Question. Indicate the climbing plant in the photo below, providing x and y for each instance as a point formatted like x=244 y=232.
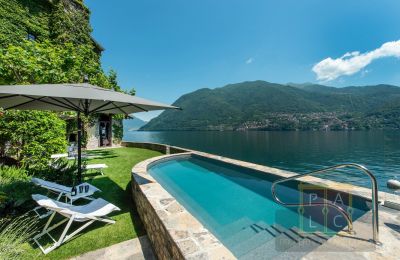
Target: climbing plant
x=18 y=18
x=32 y=136
x=43 y=41
x=45 y=62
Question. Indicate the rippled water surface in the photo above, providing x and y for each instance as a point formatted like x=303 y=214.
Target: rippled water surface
x=296 y=151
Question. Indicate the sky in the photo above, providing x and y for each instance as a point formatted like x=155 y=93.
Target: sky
x=165 y=49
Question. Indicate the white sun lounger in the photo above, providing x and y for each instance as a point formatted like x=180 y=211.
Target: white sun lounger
x=96 y=167
x=96 y=210
x=65 y=191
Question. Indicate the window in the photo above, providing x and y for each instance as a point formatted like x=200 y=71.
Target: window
x=31 y=37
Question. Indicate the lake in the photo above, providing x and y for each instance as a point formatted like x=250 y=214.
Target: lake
x=299 y=152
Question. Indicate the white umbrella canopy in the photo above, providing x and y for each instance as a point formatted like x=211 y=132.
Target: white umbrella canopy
x=81 y=98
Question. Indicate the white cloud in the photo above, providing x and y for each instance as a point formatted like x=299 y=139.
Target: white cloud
x=249 y=60
x=352 y=62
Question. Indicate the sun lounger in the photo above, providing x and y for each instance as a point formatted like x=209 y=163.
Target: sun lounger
x=96 y=210
x=96 y=167
x=66 y=191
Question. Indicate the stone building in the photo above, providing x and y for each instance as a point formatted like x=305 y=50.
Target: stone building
x=58 y=21
x=101 y=134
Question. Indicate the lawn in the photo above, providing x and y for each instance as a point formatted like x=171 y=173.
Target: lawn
x=115 y=186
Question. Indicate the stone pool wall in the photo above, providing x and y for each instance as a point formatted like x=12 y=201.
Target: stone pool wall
x=163 y=245
x=162 y=148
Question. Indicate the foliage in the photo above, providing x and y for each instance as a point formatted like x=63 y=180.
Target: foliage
x=15 y=190
x=69 y=23
x=61 y=21
x=20 y=17
x=132 y=92
x=261 y=105
x=32 y=136
x=34 y=62
x=13 y=234
x=112 y=78
x=61 y=171
x=62 y=51
x=10 y=174
x=118 y=132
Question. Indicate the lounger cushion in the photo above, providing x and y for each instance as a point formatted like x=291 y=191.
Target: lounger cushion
x=61 y=188
x=96 y=208
x=51 y=185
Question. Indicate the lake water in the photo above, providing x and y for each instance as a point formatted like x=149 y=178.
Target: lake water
x=299 y=152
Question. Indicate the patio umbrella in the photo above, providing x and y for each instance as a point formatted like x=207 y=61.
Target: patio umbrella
x=82 y=98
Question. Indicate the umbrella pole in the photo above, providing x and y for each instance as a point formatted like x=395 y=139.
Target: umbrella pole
x=79 y=148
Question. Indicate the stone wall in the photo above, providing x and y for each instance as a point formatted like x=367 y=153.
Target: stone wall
x=162 y=148
x=163 y=244
x=93 y=137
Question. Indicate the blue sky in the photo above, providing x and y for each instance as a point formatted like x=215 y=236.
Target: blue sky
x=168 y=48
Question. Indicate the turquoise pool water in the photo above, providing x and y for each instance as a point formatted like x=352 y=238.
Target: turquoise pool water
x=235 y=203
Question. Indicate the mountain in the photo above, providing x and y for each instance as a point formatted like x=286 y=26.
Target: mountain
x=133 y=124
x=260 y=105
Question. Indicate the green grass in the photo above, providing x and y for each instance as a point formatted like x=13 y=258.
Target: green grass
x=115 y=186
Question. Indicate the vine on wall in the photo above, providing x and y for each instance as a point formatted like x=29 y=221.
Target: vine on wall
x=20 y=17
x=61 y=51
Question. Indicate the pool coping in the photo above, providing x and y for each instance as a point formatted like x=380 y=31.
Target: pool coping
x=194 y=241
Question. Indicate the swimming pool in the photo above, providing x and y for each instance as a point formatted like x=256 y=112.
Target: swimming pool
x=235 y=204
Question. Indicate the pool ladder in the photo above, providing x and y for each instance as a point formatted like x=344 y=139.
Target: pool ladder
x=375 y=222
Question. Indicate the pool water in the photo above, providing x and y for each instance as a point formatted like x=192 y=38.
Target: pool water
x=236 y=205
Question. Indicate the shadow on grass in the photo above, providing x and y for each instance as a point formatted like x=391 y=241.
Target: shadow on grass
x=104 y=152
x=100 y=154
x=112 y=193
x=90 y=176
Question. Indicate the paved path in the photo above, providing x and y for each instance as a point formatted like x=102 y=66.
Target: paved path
x=136 y=249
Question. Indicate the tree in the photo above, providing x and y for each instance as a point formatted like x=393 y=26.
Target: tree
x=34 y=135
x=33 y=62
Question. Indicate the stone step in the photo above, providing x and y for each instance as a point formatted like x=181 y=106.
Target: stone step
x=264 y=226
x=305 y=245
x=317 y=237
x=287 y=232
x=263 y=241
x=240 y=236
x=253 y=242
x=234 y=227
x=288 y=244
x=271 y=249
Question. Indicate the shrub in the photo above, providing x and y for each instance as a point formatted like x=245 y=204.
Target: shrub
x=9 y=174
x=62 y=172
x=15 y=191
x=16 y=188
x=32 y=136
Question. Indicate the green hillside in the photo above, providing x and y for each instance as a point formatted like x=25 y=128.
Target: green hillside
x=260 y=105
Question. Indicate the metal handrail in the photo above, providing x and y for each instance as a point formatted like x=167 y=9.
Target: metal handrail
x=375 y=220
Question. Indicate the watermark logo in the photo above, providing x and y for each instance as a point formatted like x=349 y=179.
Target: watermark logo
x=317 y=211
x=315 y=220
